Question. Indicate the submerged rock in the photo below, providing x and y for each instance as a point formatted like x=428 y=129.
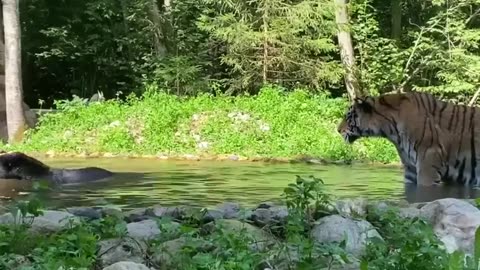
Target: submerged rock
x=454 y=222
x=336 y=228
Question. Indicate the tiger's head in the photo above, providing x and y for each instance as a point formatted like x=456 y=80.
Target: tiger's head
x=360 y=120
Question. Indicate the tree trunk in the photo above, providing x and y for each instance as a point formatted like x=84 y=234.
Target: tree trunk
x=396 y=13
x=16 y=124
x=159 y=33
x=265 y=44
x=3 y=113
x=346 y=49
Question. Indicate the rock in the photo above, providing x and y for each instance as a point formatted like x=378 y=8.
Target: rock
x=16 y=262
x=265 y=205
x=50 y=221
x=126 y=265
x=169 y=211
x=86 y=212
x=260 y=239
x=352 y=207
x=145 y=229
x=262 y=216
x=136 y=215
x=118 y=250
x=335 y=228
x=272 y=215
x=230 y=210
x=109 y=211
x=454 y=222
x=166 y=253
x=211 y=215
x=409 y=212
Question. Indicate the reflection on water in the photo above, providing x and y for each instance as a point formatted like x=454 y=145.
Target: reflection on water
x=427 y=194
x=206 y=183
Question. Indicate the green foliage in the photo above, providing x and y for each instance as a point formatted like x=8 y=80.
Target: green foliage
x=73 y=247
x=437 y=51
x=238 y=46
x=274 y=123
x=275 y=41
x=299 y=197
x=410 y=243
x=226 y=249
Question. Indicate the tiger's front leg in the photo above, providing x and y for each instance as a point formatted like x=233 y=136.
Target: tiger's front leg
x=409 y=174
x=430 y=167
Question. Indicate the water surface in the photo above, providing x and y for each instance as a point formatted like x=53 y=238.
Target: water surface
x=144 y=182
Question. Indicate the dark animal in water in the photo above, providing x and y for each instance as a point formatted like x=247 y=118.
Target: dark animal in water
x=19 y=166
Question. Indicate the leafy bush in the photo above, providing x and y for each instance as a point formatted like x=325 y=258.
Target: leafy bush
x=409 y=243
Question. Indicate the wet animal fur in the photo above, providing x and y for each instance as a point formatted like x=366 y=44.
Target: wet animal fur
x=17 y=165
x=437 y=141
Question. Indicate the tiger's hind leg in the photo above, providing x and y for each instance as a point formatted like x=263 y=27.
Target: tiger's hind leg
x=430 y=167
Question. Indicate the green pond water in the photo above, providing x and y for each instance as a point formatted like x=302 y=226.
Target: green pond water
x=142 y=182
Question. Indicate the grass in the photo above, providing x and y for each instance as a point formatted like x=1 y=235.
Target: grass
x=272 y=124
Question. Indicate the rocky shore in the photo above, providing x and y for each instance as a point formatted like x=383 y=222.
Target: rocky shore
x=160 y=237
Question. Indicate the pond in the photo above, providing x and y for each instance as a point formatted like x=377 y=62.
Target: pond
x=144 y=182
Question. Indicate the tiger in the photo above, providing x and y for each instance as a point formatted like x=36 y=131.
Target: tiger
x=438 y=145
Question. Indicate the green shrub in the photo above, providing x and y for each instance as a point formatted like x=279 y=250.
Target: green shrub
x=273 y=123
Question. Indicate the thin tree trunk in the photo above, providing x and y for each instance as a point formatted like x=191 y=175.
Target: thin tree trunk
x=396 y=13
x=474 y=98
x=265 y=44
x=159 y=33
x=123 y=3
x=16 y=123
x=3 y=113
x=346 y=49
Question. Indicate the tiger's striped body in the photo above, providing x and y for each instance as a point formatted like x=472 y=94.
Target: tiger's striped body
x=436 y=140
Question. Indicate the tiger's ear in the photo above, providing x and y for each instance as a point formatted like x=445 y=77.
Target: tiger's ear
x=364 y=104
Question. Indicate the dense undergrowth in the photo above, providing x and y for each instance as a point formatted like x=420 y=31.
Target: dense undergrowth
x=409 y=243
x=273 y=124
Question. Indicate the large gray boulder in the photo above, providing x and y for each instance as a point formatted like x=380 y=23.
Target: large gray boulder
x=454 y=222
x=144 y=230
x=49 y=221
x=336 y=228
x=118 y=250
